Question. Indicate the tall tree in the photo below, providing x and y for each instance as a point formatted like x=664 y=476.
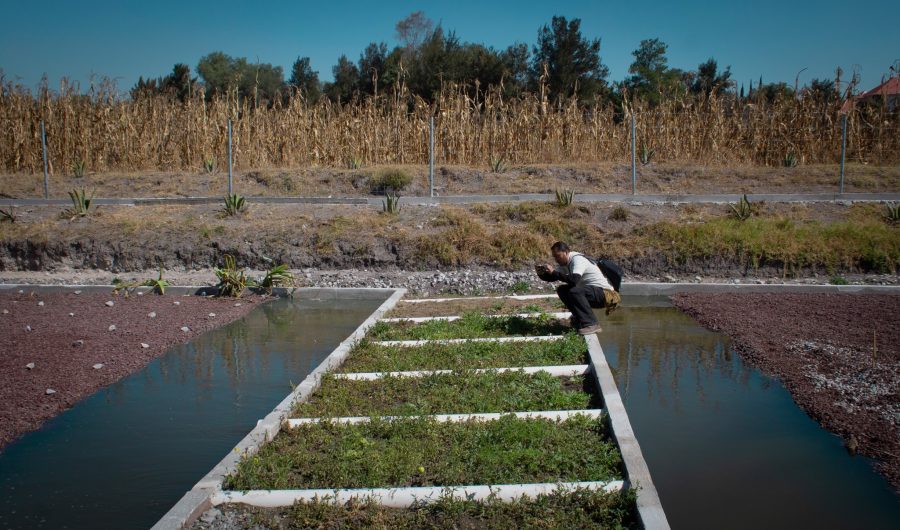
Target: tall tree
x=346 y=81
x=652 y=79
x=372 y=67
x=221 y=73
x=708 y=80
x=515 y=68
x=571 y=62
x=305 y=79
x=413 y=30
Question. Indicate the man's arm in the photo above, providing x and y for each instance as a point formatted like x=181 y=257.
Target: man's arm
x=558 y=276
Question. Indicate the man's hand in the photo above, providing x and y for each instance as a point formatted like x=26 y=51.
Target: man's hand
x=543 y=269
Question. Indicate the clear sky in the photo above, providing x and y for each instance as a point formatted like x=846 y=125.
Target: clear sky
x=127 y=39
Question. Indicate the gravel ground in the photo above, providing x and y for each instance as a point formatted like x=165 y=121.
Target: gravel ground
x=838 y=355
x=58 y=348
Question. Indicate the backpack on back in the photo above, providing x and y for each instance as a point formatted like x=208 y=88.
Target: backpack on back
x=612 y=271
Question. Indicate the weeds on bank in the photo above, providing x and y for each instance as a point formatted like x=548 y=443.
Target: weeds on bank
x=422 y=452
x=619 y=213
x=232 y=281
x=742 y=210
x=277 y=276
x=157 y=285
x=892 y=213
x=565 y=198
x=209 y=165
x=368 y=356
x=457 y=393
x=498 y=165
x=389 y=180
x=790 y=159
x=7 y=216
x=579 y=508
x=77 y=168
x=471 y=325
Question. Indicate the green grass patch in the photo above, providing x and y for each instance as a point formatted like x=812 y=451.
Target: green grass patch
x=457 y=393
x=867 y=245
x=370 y=357
x=576 y=509
x=421 y=452
x=470 y=326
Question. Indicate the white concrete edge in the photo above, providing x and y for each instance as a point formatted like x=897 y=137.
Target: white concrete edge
x=556 y=371
x=406 y=497
x=186 y=511
x=432 y=342
x=649 y=507
x=555 y=415
x=565 y=314
x=504 y=297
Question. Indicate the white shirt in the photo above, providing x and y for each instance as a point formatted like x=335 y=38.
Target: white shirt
x=590 y=273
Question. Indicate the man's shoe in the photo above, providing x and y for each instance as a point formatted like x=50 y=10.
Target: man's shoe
x=590 y=329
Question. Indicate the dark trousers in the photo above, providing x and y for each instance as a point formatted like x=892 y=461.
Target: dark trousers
x=579 y=300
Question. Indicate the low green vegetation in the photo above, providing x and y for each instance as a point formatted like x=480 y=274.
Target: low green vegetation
x=389 y=180
x=471 y=325
x=232 y=280
x=742 y=210
x=565 y=198
x=391 y=204
x=158 y=285
x=81 y=204
x=421 y=452
x=498 y=165
x=576 y=509
x=457 y=393
x=234 y=205
x=78 y=167
x=867 y=244
x=370 y=357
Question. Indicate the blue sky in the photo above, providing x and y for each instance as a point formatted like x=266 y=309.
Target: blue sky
x=123 y=40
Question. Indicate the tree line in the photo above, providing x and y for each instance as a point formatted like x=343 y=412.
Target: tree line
x=561 y=65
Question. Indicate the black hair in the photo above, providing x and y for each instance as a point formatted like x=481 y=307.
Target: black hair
x=559 y=246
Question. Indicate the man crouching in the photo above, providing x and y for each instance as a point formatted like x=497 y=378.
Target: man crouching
x=584 y=286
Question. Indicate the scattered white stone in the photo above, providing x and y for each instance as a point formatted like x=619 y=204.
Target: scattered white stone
x=112 y=327
x=6 y=311
x=71 y=314
x=50 y=391
x=152 y=314
x=235 y=305
x=185 y=329
x=41 y=303
x=210 y=516
x=144 y=345
x=110 y=303
x=140 y=293
x=78 y=343
x=98 y=366
x=176 y=302
x=21 y=291
x=77 y=292
x=27 y=328
x=30 y=366
x=212 y=315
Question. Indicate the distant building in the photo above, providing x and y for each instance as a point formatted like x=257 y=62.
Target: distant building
x=889 y=92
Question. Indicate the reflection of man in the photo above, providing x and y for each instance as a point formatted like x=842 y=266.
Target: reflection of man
x=584 y=286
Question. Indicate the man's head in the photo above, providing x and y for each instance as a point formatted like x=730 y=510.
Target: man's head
x=560 y=252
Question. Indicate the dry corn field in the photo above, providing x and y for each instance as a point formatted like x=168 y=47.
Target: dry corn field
x=110 y=132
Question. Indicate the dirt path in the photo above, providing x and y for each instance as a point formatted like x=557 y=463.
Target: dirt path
x=838 y=355
x=65 y=342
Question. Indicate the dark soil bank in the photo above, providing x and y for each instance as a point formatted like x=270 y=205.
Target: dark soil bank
x=838 y=355
x=54 y=341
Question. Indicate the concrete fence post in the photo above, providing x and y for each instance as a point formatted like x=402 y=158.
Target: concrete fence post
x=44 y=151
x=431 y=156
x=633 y=157
x=230 y=185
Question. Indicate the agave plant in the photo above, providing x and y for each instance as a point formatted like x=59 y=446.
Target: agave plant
x=391 y=203
x=743 y=210
x=892 y=212
x=354 y=162
x=234 y=204
x=209 y=165
x=7 y=215
x=565 y=197
x=646 y=154
x=78 y=168
x=159 y=285
x=790 y=159
x=277 y=276
x=498 y=165
x=232 y=281
x=81 y=203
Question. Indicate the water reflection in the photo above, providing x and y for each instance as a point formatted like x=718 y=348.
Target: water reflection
x=726 y=446
x=121 y=458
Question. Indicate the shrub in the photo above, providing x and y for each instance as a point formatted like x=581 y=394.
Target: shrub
x=619 y=213
x=389 y=180
x=565 y=197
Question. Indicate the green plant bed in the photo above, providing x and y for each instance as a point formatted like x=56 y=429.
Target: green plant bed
x=421 y=452
x=576 y=509
x=370 y=357
x=471 y=325
x=457 y=393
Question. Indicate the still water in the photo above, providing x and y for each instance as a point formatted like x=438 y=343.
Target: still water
x=726 y=446
x=122 y=457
